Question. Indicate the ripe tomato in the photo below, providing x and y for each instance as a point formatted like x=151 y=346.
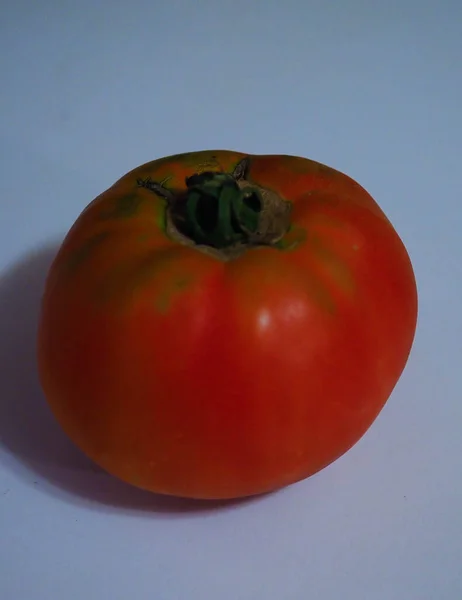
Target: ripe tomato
x=217 y=325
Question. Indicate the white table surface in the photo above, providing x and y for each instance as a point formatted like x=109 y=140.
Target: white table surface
x=89 y=90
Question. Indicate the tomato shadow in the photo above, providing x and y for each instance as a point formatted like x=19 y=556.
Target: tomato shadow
x=32 y=443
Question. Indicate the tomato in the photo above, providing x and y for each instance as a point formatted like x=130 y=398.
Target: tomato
x=219 y=325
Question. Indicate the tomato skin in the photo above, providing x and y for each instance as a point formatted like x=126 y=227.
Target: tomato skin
x=192 y=376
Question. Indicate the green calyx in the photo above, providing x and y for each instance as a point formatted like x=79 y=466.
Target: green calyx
x=218 y=212
x=224 y=214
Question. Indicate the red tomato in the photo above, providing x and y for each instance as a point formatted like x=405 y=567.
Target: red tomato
x=217 y=325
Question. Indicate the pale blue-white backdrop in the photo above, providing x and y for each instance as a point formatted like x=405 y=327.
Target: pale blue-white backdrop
x=89 y=90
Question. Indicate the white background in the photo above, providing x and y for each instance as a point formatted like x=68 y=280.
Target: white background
x=89 y=90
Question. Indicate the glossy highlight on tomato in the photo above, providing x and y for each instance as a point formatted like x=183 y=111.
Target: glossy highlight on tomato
x=219 y=324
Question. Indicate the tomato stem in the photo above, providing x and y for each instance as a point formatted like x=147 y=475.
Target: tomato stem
x=224 y=212
x=218 y=212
